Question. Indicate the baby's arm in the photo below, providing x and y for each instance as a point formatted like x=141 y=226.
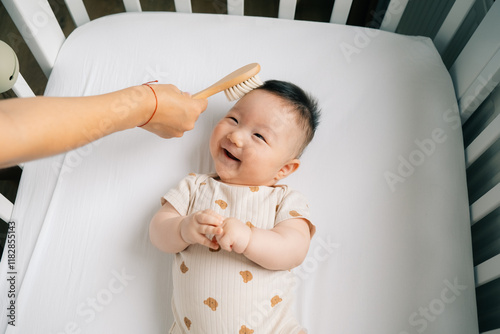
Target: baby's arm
x=172 y=233
x=281 y=248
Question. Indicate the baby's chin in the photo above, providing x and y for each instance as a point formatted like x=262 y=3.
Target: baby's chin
x=233 y=181
x=237 y=178
x=240 y=181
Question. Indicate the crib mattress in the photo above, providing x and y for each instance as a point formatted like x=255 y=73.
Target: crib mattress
x=385 y=177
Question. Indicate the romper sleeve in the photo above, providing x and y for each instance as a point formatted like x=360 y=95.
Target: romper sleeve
x=294 y=205
x=180 y=196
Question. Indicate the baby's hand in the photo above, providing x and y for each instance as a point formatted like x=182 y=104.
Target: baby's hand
x=235 y=236
x=196 y=226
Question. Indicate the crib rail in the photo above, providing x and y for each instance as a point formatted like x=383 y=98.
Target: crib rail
x=478 y=94
x=40 y=29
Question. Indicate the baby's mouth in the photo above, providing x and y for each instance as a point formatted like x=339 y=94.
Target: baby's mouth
x=230 y=156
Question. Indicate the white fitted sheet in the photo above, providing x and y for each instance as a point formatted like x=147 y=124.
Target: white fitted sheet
x=384 y=259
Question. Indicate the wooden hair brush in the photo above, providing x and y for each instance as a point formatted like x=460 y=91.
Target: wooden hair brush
x=236 y=84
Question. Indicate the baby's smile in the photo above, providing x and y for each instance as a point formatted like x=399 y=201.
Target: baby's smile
x=230 y=156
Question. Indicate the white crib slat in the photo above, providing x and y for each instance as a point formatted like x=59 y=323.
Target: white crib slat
x=132 y=5
x=486 y=204
x=340 y=11
x=5 y=208
x=477 y=69
x=482 y=142
x=487 y=271
x=481 y=87
x=451 y=24
x=287 y=9
x=235 y=7
x=78 y=12
x=393 y=15
x=39 y=27
x=21 y=87
x=183 y=6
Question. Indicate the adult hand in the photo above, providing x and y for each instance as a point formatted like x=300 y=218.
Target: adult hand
x=176 y=111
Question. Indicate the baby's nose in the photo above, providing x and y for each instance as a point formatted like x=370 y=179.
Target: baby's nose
x=235 y=138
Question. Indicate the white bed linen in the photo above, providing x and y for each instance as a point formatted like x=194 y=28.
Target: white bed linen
x=385 y=259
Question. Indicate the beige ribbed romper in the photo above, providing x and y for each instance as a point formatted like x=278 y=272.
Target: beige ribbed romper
x=218 y=292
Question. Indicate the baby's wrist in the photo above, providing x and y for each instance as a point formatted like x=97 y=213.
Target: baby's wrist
x=250 y=234
x=181 y=226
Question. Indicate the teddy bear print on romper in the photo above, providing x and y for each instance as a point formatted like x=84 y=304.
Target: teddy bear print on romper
x=224 y=292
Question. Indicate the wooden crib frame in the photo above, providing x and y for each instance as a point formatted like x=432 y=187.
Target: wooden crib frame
x=475 y=74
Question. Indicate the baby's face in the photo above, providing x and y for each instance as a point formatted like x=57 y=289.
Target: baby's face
x=255 y=144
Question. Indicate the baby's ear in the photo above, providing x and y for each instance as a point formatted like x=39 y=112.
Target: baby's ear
x=287 y=169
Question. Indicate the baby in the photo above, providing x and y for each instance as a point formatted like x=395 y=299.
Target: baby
x=237 y=234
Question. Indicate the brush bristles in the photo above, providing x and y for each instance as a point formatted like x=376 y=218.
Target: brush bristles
x=238 y=91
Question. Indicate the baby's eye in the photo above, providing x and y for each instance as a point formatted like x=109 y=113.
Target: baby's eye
x=258 y=135
x=233 y=119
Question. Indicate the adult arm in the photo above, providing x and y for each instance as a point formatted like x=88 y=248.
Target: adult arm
x=37 y=127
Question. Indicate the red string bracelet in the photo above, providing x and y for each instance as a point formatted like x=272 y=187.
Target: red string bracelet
x=156 y=99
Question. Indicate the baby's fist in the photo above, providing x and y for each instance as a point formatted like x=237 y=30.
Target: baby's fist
x=235 y=236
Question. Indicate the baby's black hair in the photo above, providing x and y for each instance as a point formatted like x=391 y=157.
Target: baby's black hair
x=303 y=103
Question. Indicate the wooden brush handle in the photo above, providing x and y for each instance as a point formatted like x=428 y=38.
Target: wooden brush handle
x=240 y=75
